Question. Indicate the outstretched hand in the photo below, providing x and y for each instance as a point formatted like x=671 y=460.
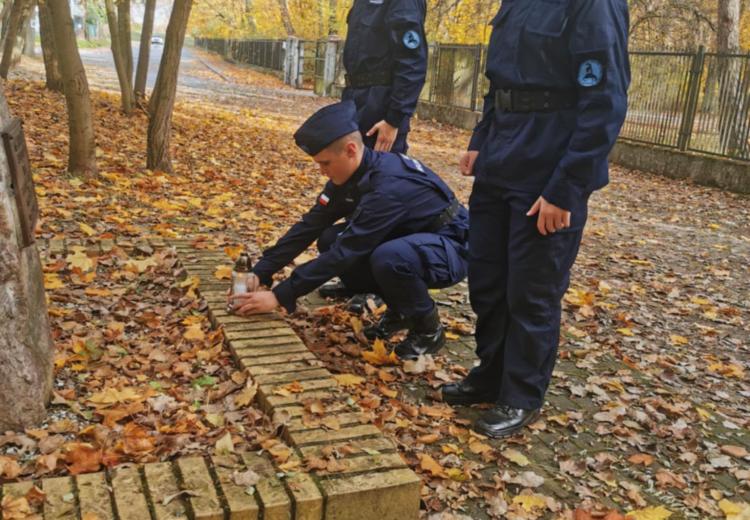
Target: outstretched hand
x=257 y=302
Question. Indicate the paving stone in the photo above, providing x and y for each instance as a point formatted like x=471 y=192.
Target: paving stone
x=17 y=489
x=320 y=436
x=259 y=326
x=391 y=495
x=307 y=498
x=240 y=504
x=289 y=377
x=356 y=447
x=60 y=499
x=367 y=464
x=280 y=367
x=271 y=491
x=130 y=498
x=195 y=477
x=278 y=401
x=94 y=496
x=284 y=358
x=56 y=247
x=162 y=487
x=314 y=422
x=249 y=342
x=252 y=352
x=281 y=389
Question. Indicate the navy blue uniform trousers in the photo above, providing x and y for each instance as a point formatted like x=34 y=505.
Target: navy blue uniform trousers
x=403 y=269
x=517 y=278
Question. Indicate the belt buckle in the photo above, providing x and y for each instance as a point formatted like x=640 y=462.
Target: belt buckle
x=505 y=99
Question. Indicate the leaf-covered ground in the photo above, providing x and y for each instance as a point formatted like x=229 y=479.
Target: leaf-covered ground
x=649 y=409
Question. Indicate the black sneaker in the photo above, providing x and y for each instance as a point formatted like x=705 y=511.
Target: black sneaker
x=391 y=323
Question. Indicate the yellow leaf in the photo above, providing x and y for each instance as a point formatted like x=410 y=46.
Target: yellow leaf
x=80 y=260
x=356 y=324
x=194 y=333
x=704 y=414
x=87 y=229
x=451 y=335
x=650 y=513
x=379 y=355
x=225 y=445
x=111 y=395
x=515 y=456
x=735 y=510
x=430 y=465
x=530 y=502
x=697 y=300
x=233 y=252
x=625 y=331
x=52 y=281
x=348 y=379
x=678 y=340
x=456 y=474
x=223 y=272
x=93 y=291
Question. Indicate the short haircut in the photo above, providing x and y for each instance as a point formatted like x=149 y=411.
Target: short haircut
x=339 y=144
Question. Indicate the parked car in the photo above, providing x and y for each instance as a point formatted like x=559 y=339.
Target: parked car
x=157 y=40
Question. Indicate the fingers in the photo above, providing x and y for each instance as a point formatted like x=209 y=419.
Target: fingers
x=374 y=129
x=535 y=208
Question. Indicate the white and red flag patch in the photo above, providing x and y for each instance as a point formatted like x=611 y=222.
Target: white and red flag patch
x=324 y=199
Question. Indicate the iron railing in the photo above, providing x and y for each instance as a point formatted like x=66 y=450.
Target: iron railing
x=689 y=101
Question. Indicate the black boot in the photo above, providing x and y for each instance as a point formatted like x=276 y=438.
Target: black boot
x=335 y=289
x=389 y=324
x=465 y=393
x=426 y=336
x=503 y=421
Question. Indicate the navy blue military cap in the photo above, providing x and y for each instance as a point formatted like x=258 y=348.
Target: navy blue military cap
x=326 y=125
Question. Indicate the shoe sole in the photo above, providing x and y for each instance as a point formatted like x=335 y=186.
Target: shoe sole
x=495 y=435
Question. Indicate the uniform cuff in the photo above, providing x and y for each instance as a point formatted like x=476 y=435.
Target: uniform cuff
x=265 y=277
x=476 y=141
x=285 y=294
x=561 y=192
x=395 y=118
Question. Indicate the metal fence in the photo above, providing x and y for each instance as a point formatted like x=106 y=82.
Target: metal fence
x=690 y=101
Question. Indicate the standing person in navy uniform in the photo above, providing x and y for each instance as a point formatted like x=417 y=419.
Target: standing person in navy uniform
x=385 y=57
x=405 y=232
x=559 y=75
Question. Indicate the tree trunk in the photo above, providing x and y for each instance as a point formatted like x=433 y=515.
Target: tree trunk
x=51 y=63
x=5 y=15
x=165 y=89
x=82 y=155
x=248 y=20
x=730 y=97
x=286 y=19
x=29 y=43
x=141 y=73
x=11 y=35
x=332 y=18
x=85 y=7
x=119 y=57
x=26 y=348
x=123 y=29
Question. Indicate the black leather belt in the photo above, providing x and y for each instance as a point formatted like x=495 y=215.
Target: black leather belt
x=507 y=100
x=444 y=218
x=369 y=79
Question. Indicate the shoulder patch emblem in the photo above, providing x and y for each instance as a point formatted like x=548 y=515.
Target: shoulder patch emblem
x=590 y=73
x=324 y=199
x=411 y=39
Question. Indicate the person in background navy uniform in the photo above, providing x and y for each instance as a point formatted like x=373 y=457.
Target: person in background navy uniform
x=405 y=233
x=559 y=75
x=385 y=57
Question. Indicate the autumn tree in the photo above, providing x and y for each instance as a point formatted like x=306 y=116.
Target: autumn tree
x=18 y=13
x=49 y=55
x=165 y=89
x=82 y=151
x=141 y=73
x=118 y=19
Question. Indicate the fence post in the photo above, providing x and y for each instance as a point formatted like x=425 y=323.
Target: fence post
x=475 y=76
x=329 y=65
x=291 y=62
x=691 y=104
x=435 y=72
